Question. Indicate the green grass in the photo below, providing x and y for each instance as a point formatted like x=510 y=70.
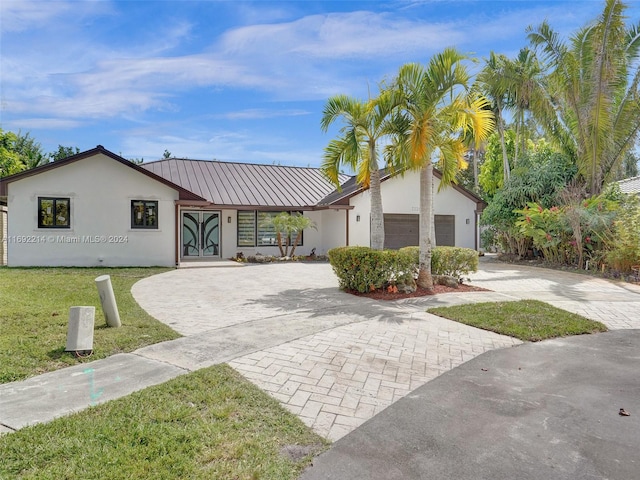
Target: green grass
x=34 y=316
x=210 y=424
x=528 y=320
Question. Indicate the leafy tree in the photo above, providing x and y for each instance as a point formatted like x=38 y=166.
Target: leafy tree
x=592 y=87
x=539 y=178
x=437 y=111
x=364 y=124
x=10 y=162
x=19 y=152
x=166 y=154
x=63 y=152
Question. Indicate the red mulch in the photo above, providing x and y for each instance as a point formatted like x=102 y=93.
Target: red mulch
x=381 y=294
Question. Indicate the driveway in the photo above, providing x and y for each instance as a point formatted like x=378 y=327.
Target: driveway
x=336 y=360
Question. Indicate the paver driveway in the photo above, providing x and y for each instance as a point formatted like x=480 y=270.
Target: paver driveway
x=334 y=359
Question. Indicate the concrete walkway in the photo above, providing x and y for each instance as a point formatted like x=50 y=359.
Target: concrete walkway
x=334 y=359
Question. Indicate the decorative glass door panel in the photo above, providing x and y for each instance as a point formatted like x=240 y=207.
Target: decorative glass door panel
x=200 y=234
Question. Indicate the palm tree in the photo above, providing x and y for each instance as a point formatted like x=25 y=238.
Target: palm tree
x=365 y=123
x=291 y=227
x=438 y=112
x=525 y=92
x=593 y=82
x=492 y=82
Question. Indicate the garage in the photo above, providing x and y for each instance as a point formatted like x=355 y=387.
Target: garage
x=402 y=230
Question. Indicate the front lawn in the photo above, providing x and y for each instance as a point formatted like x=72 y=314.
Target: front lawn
x=210 y=424
x=528 y=320
x=34 y=316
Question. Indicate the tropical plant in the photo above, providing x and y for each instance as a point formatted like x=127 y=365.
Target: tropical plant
x=592 y=85
x=356 y=146
x=492 y=82
x=436 y=111
x=624 y=254
x=289 y=226
x=540 y=176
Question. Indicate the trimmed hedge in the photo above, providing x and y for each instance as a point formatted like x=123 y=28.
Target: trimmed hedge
x=363 y=269
x=455 y=262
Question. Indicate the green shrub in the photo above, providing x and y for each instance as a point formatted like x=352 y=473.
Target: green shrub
x=625 y=247
x=453 y=261
x=363 y=269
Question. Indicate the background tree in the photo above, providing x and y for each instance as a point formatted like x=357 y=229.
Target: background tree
x=492 y=82
x=166 y=154
x=592 y=82
x=63 y=152
x=364 y=124
x=438 y=112
x=19 y=152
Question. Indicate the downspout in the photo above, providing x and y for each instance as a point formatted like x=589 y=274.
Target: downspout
x=347 y=227
x=177 y=235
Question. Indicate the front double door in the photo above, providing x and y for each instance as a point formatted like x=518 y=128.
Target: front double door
x=200 y=234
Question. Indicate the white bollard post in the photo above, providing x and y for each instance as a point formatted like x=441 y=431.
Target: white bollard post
x=80 y=333
x=108 y=301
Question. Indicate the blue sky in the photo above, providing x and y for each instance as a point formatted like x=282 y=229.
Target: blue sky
x=230 y=80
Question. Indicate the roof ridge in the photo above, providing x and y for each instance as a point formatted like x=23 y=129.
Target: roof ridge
x=232 y=162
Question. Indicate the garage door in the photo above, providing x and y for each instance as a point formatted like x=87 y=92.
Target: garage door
x=445 y=230
x=402 y=230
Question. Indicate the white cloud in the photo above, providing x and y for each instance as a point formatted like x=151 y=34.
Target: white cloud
x=25 y=15
x=50 y=123
x=61 y=67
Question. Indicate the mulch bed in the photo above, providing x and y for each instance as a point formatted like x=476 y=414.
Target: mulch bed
x=383 y=294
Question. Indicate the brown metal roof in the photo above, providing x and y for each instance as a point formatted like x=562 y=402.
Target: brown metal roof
x=246 y=184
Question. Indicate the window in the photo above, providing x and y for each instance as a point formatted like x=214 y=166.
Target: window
x=266 y=230
x=144 y=214
x=246 y=228
x=54 y=212
x=256 y=229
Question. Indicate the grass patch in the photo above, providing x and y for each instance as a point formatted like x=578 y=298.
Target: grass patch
x=208 y=424
x=528 y=320
x=34 y=316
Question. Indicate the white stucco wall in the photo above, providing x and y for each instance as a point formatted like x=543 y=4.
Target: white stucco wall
x=101 y=190
x=334 y=230
x=401 y=194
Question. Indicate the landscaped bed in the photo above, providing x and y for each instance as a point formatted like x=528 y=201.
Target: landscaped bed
x=386 y=294
x=210 y=424
x=34 y=317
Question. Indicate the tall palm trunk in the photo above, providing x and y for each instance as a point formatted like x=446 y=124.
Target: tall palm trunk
x=377 y=217
x=425 y=280
x=505 y=158
x=296 y=241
